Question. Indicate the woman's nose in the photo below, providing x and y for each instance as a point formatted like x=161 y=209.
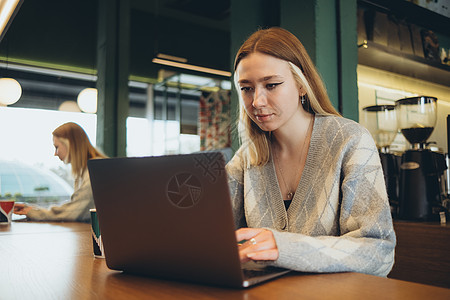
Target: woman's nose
x=259 y=98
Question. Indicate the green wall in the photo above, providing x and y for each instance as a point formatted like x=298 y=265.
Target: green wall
x=327 y=29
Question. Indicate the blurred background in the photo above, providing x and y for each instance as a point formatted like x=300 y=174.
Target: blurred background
x=153 y=77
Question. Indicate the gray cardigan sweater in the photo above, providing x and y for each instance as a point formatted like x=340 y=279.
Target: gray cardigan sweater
x=77 y=209
x=339 y=219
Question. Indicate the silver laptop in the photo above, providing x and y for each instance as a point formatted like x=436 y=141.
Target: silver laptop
x=170 y=217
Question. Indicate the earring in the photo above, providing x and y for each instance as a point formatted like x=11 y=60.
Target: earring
x=303 y=100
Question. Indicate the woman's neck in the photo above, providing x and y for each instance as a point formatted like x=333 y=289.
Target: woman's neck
x=293 y=135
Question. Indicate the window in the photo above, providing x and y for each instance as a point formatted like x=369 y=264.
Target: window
x=163 y=119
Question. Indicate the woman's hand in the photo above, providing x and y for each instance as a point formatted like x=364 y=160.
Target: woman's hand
x=260 y=244
x=21 y=208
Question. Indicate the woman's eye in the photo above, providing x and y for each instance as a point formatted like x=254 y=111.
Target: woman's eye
x=271 y=86
x=246 y=88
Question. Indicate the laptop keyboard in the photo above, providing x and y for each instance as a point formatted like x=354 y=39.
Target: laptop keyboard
x=252 y=269
x=250 y=273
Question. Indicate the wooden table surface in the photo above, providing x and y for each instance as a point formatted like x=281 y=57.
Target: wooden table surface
x=55 y=261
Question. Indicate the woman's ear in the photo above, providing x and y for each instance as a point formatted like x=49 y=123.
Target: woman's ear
x=302 y=91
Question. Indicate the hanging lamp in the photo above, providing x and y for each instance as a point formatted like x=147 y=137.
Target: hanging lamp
x=10 y=91
x=87 y=100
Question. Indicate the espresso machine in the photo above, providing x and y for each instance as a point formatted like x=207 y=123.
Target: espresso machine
x=421 y=170
x=381 y=121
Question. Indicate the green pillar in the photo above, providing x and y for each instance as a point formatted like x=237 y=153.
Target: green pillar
x=328 y=30
x=113 y=72
x=348 y=33
x=246 y=17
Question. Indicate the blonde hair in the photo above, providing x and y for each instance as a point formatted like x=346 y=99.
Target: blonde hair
x=80 y=149
x=279 y=43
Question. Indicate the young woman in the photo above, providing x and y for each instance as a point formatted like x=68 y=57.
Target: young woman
x=307 y=184
x=72 y=146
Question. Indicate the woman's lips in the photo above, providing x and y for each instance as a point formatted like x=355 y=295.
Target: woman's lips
x=263 y=117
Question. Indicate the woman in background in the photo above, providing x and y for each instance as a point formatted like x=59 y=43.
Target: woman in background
x=307 y=186
x=72 y=146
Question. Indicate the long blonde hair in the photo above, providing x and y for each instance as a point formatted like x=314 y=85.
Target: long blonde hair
x=282 y=44
x=80 y=149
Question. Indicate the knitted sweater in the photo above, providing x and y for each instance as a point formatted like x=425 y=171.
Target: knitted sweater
x=77 y=209
x=339 y=219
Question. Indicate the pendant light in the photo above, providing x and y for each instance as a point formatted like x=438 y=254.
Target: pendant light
x=87 y=100
x=10 y=91
x=70 y=106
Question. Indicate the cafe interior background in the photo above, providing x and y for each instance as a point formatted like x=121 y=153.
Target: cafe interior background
x=152 y=77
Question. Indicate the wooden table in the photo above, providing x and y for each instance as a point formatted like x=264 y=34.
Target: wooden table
x=55 y=261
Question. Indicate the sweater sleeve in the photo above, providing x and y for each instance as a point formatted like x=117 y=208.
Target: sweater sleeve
x=77 y=209
x=366 y=240
x=236 y=185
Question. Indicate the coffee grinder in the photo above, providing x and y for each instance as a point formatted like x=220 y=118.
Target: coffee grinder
x=421 y=169
x=381 y=121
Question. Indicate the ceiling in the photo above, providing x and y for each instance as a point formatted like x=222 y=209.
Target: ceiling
x=61 y=35
x=216 y=13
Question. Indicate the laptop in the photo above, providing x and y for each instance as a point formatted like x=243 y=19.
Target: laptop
x=170 y=217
